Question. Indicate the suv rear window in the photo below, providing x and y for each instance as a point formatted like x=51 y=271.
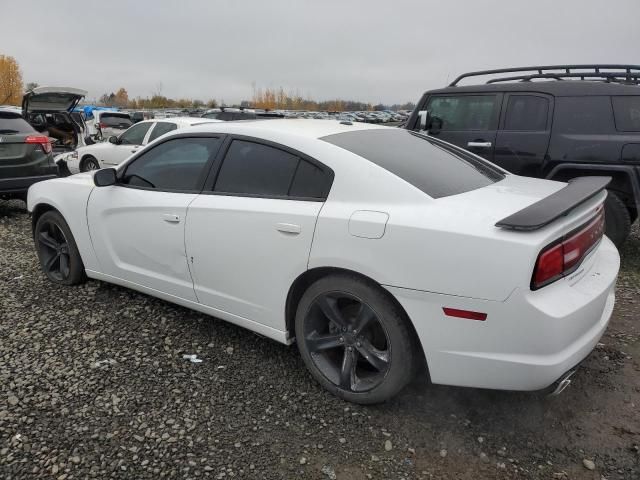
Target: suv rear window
x=626 y=110
x=112 y=120
x=12 y=123
x=436 y=168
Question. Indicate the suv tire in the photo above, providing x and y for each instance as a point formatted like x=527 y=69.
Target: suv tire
x=617 y=219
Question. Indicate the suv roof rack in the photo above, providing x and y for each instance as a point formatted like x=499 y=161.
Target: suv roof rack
x=626 y=74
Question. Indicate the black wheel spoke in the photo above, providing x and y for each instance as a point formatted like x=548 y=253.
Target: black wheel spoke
x=379 y=359
x=348 y=369
x=48 y=266
x=364 y=317
x=47 y=240
x=318 y=343
x=329 y=306
x=64 y=265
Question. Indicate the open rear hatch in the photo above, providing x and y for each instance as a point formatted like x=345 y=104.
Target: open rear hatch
x=51 y=99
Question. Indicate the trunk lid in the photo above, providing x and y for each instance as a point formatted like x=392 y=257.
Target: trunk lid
x=51 y=99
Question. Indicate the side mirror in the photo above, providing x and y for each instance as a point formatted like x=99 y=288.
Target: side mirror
x=113 y=139
x=88 y=140
x=105 y=177
x=436 y=125
x=424 y=119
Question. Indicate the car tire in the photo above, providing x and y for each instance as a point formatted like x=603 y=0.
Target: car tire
x=366 y=353
x=89 y=163
x=57 y=250
x=617 y=219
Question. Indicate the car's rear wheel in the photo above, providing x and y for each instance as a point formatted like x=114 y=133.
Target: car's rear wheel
x=617 y=219
x=89 y=163
x=354 y=340
x=57 y=250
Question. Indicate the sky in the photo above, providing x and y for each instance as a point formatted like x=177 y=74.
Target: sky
x=377 y=51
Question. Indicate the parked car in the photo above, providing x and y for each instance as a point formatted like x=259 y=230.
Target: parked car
x=228 y=114
x=118 y=148
x=579 y=120
x=49 y=111
x=25 y=156
x=107 y=123
x=373 y=248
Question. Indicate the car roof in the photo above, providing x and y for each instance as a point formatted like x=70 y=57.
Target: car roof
x=560 y=88
x=300 y=127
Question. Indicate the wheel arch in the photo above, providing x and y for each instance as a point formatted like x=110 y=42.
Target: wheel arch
x=84 y=158
x=307 y=278
x=39 y=210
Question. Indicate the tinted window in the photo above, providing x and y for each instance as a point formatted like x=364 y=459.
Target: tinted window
x=432 y=166
x=11 y=123
x=256 y=169
x=112 y=120
x=583 y=115
x=160 y=129
x=467 y=112
x=627 y=113
x=177 y=164
x=527 y=112
x=135 y=135
x=310 y=182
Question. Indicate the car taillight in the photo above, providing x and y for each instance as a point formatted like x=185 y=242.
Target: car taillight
x=565 y=255
x=41 y=140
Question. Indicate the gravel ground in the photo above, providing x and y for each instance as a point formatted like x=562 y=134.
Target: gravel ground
x=93 y=385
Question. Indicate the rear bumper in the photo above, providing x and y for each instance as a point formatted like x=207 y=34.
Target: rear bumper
x=19 y=185
x=528 y=341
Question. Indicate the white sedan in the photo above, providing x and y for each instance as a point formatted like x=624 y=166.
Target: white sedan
x=376 y=249
x=119 y=148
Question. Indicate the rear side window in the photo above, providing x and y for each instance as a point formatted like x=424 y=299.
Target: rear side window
x=432 y=166
x=527 y=113
x=627 y=113
x=135 y=135
x=583 y=115
x=255 y=169
x=464 y=112
x=161 y=128
x=12 y=123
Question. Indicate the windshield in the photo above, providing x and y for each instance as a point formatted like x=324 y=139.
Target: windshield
x=433 y=166
x=114 y=120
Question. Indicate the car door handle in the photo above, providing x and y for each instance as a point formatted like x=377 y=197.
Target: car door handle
x=171 y=218
x=479 y=144
x=288 y=228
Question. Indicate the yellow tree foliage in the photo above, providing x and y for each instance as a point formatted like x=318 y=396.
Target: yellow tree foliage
x=122 y=98
x=10 y=81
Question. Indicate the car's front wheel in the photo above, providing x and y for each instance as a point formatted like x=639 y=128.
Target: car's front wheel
x=354 y=340
x=57 y=250
x=89 y=163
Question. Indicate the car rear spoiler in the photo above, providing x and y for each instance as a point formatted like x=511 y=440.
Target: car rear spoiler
x=554 y=206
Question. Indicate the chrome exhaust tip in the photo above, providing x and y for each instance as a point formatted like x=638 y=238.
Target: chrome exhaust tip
x=562 y=384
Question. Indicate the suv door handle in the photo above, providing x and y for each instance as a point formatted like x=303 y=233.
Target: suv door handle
x=479 y=144
x=171 y=218
x=288 y=228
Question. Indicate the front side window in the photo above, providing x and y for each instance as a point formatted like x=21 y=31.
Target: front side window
x=627 y=112
x=161 y=128
x=178 y=164
x=135 y=135
x=527 y=113
x=464 y=112
x=251 y=168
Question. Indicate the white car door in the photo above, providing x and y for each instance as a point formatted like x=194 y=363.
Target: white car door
x=137 y=225
x=128 y=144
x=249 y=237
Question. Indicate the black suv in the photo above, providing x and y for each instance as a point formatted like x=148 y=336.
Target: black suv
x=25 y=156
x=556 y=122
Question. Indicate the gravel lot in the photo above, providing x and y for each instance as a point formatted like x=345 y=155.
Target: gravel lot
x=93 y=385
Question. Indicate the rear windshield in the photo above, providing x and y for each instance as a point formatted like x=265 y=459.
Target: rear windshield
x=12 y=123
x=436 y=168
x=114 y=120
x=627 y=113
